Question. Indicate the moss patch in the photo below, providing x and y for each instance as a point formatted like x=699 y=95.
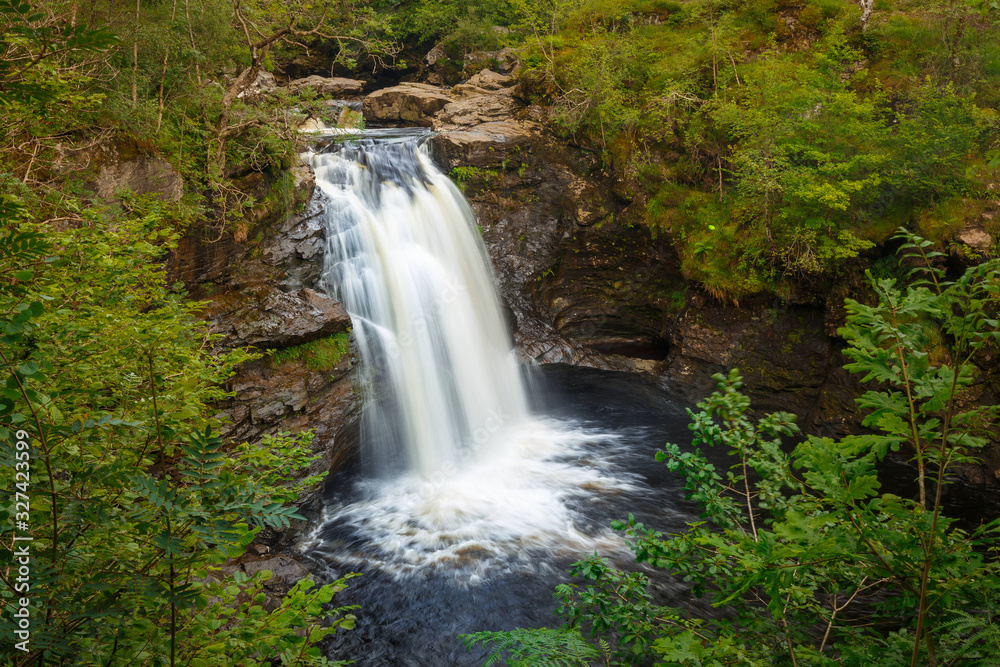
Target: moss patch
x=322 y=354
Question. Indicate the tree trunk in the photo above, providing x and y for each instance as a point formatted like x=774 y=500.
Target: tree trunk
x=135 y=57
x=867 y=7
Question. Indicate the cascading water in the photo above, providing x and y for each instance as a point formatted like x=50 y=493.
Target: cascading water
x=468 y=508
x=404 y=258
x=458 y=474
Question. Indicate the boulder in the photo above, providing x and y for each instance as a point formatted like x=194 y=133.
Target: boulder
x=504 y=60
x=268 y=318
x=473 y=105
x=490 y=80
x=434 y=55
x=477 y=109
x=976 y=238
x=408 y=102
x=485 y=145
x=285 y=573
x=324 y=85
x=264 y=83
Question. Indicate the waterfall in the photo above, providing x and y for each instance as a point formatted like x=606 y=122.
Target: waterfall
x=405 y=258
x=458 y=476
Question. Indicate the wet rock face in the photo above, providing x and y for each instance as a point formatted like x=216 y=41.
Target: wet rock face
x=289 y=250
x=271 y=396
x=260 y=294
x=586 y=283
x=271 y=318
x=786 y=359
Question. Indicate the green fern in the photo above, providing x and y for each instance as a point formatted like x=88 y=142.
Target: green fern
x=539 y=647
x=979 y=636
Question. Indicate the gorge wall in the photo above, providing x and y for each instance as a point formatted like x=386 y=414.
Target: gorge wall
x=587 y=282
x=583 y=279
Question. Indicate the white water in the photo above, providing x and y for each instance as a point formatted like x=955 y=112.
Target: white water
x=491 y=516
x=462 y=477
x=404 y=257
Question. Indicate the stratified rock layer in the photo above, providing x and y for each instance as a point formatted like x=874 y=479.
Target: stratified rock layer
x=259 y=294
x=324 y=85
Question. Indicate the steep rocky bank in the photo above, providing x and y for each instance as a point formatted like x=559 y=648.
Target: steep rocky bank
x=259 y=294
x=583 y=279
x=586 y=282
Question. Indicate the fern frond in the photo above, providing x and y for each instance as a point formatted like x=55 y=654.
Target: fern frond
x=539 y=647
x=980 y=637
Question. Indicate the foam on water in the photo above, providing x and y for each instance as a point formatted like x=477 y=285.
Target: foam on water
x=503 y=512
x=460 y=476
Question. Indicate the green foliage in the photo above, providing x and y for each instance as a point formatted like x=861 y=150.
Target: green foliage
x=535 y=648
x=805 y=196
x=270 y=461
x=607 y=71
x=31 y=44
x=798 y=137
x=168 y=78
x=801 y=184
x=612 y=603
x=461 y=27
x=893 y=343
x=807 y=561
x=134 y=501
x=466 y=176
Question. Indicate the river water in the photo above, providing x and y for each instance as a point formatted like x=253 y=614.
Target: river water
x=479 y=481
x=416 y=600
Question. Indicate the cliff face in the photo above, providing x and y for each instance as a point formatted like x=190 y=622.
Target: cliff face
x=258 y=293
x=589 y=284
x=583 y=279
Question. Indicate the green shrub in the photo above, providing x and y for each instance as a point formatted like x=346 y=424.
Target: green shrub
x=134 y=501
x=810 y=561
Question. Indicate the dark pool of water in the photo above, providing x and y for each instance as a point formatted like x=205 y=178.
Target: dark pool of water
x=416 y=620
